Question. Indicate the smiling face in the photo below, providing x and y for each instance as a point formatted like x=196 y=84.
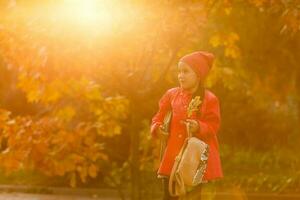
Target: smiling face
x=187 y=77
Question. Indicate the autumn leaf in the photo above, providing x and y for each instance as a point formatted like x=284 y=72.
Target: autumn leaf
x=232 y=38
x=215 y=41
x=227 y=10
x=93 y=170
x=73 y=180
x=4 y=114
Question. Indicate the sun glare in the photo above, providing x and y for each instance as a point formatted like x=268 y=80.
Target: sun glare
x=88 y=13
x=85 y=19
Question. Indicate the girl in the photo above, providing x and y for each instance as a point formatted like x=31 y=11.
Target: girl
x=192 y=71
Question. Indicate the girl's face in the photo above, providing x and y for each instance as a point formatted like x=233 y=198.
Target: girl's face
x=186 y=76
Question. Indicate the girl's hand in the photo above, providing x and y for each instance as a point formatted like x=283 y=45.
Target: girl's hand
x=193 y=125
x=161 y=133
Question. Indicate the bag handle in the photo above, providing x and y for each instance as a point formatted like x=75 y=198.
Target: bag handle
x=189 y=134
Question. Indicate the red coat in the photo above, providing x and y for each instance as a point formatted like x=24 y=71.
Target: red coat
x=178 y=100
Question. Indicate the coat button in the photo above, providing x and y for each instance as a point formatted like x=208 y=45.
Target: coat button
x=180 y=135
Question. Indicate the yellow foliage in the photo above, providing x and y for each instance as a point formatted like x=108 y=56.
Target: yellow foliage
x=66 y=113
x=258 y=3
x=232 y=51
x=228 y=41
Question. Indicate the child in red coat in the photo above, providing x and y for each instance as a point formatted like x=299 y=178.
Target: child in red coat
x=204 y=124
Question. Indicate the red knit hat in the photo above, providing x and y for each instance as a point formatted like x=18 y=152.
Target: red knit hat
x=200 y=61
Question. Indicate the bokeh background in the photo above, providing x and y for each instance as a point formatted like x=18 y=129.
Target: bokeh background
x=80 y=82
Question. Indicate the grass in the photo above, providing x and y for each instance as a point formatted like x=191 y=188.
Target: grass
x=274 y=171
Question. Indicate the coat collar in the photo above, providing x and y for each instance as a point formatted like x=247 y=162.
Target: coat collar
x=185 y=92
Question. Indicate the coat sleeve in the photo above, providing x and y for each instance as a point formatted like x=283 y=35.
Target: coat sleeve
x=209 y=125
x=164 y=106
